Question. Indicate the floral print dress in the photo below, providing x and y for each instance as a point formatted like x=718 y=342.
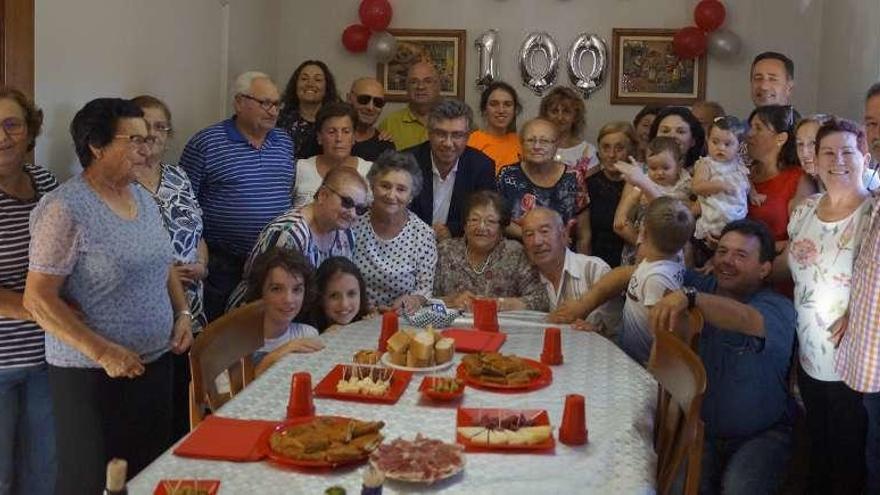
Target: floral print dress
x=566 y=196
x=820 y=257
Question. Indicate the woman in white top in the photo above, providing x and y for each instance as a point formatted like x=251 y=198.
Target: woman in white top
x=825 y=233
x=335 y=124
x=567 y=111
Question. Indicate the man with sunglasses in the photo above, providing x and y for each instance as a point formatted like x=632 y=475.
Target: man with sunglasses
x=408 y=126
x=242 y=172
x=367 y=96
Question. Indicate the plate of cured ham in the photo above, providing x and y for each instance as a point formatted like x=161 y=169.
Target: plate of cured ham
x=422 y=460
x=505 y=430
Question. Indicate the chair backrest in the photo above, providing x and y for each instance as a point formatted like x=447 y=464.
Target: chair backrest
x=689 y=329
x=679 y=435
x=225 y=345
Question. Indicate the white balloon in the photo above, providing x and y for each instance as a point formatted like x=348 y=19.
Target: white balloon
x=382 y=46
x=593 y=45
x=538 y=79
x=487 y=47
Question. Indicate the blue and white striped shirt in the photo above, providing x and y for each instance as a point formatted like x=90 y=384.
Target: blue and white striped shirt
x=240 y=188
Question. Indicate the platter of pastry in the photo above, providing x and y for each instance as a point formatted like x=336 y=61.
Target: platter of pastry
x=494 y=371
x=323 y=441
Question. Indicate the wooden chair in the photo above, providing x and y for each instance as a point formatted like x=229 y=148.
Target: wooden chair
x=679 y=434
x=226 y=344
x=689 y=329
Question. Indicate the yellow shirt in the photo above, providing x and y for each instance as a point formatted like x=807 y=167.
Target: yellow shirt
x=405 y=129
x=503 y=150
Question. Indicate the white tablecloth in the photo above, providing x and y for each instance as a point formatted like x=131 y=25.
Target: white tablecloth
x=620 y=399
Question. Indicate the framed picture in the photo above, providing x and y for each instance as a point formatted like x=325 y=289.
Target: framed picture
x=445 y=48
x=646 y=70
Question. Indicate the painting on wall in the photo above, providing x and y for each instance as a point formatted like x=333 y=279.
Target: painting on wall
x=645 y=69
x=445 y=48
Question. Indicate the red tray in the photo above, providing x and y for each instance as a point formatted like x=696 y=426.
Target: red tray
x=425 y=389
x=545 y=378
x=470 y=340
x=212 y=486
x=327 y=386
x=304 y=463
x=471 y=417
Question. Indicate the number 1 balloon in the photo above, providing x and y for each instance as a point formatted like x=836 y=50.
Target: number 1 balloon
x=487 y=46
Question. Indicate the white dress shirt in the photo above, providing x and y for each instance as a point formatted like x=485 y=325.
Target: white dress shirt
x=442 y=192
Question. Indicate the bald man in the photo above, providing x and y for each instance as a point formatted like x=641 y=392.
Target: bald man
x=367 y=96
x=408 y=126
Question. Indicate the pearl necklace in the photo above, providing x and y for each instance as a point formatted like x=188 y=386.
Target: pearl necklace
x=478 y=271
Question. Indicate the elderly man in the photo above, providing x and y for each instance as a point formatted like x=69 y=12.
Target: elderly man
x=566 y=275
x=242 y=172
x=368 y=98
x=450 y=169
x=858 y=359
x=408 y=126
x=772 y=77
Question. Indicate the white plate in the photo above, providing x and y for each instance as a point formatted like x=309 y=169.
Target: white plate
x=386 y=360
x=417 y=477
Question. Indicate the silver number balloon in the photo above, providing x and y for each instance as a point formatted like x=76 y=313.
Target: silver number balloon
x=382 y=46
x=487 y=47
x=536 y=78
x=587 y=44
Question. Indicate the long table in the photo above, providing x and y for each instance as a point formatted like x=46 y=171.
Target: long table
x=620 y=402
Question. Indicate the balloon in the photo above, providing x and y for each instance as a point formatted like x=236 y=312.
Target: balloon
x=375 y=14
x=536 y=78
x=724 y=44
x=709 y=15
x=355 y=38
x=382 y=46
x=593 y=45
x=487 y=46
x=689 y=42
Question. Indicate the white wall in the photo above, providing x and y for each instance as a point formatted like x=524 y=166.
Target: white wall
x=172 y=49
x=788 y=26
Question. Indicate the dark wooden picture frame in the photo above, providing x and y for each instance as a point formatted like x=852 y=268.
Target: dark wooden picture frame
x=445 y=48
x=645 y=70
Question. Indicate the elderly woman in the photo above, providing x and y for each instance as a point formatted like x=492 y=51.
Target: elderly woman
x=485 y=264
x=335 y=124
x=98 y=243
x=25 y=406
x=394 y=250
x=541 y=180
x=642 y=123
x=310 y=87
x=680 y=123
x=319 y=230
x=182 y=216
x=567 y=111
x=826 y=232
x=499 y=105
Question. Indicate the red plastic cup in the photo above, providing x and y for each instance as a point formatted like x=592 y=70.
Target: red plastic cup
x=573 y=430
x=552 y=353
x=486 y=315
x=300 y=403
x=389 y=328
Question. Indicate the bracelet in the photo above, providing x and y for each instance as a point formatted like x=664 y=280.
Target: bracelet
x=185 y=312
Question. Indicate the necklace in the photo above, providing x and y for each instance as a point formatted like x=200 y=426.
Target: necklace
x=478 y=271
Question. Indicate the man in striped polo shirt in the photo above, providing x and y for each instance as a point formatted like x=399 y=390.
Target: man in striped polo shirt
x=242 y=171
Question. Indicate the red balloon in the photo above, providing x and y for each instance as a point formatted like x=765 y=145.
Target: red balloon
x=709 y=15
x=689 y=42
x=355 y=38
x=375 y=14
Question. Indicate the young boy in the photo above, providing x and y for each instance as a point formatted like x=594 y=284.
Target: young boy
x=668 y=225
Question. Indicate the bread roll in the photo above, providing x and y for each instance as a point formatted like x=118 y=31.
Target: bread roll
x=422 y=346
x=398 y=358
x=399 y=342
x=443 y=350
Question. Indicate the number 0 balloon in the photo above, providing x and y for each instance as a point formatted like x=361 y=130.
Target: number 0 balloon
x=587 y=81
x=538 y=77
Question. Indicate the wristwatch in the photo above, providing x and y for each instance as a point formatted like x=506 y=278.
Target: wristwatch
x=691 y=294
x=185 y=312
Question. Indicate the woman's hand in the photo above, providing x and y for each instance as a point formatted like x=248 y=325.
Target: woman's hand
x=463 y=300
x=120 y=362
x=189 y=273
x=838 y=329
x=303 y=345
x=181 y=336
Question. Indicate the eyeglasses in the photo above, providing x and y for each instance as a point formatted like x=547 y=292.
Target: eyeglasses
x=163 y=127
x=540 y=142
x=443 y=135
x=378 y=101
x=136 y=140
x=480 y=222
x=13 y=126
x=264 y=104
x=348 y=203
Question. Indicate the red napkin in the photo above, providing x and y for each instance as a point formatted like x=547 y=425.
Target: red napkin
x=226 y=439
x=475 y=340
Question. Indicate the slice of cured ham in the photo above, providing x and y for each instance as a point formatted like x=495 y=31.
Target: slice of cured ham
x=423 y=460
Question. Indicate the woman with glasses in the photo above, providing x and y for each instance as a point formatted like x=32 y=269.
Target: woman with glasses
x=25 y=406
x=541 y=180
x=170 y=187
x=310 y=87
x=101 y=284
x=318 y=230
x=499 y=105
x=335 y=124
x=483 y=263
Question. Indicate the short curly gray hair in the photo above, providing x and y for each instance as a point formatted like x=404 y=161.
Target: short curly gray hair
x=391 y=161
x=448 y=109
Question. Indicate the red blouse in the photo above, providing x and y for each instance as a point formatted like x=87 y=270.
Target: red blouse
x=774 y=212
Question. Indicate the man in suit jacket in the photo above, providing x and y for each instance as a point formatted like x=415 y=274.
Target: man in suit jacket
x=451 y=170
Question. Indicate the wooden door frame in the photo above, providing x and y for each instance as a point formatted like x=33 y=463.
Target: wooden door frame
x=17 y=44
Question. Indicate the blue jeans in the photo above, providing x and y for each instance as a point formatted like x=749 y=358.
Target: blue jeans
x=872 y=443
x=749 y=466
x=27 y=432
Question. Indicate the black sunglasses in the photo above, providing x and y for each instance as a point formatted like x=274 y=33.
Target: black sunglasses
x=348 y=203
x=378 y=101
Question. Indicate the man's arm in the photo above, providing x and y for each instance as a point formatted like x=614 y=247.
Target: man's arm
x=719 y=311
x=606 y=288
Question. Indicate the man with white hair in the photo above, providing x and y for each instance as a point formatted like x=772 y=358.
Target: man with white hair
x=242 y=172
